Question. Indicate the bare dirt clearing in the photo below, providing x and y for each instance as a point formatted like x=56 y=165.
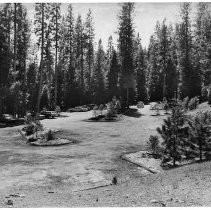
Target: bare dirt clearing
x=71 y=175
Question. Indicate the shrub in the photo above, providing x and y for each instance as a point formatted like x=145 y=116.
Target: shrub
x=153 y=146
x=58 y=110
x=204 y=94
x=193 y=103
x=110 y=111
x=118 y=106
x=157 y=109
x=95 y=112
x=185 y=102
x=101 y=107
x=32 y=126
x=166 y=108
x=49 y=135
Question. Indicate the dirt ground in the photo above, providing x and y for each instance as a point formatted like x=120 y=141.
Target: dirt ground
x=80 y=175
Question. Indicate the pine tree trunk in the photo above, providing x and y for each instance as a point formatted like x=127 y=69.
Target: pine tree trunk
x=24 y=81
x=164 y=82
x=24 y=87
x=15 y=55
x=82 y=77
x=200 y=150
x=127 y=98
x=41 y=62
x=56 y=71
x=15 y=37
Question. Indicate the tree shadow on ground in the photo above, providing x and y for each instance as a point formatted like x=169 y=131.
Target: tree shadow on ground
x=169 y=167
x=62 y=115
x=157 y=115
x=133 y=112
x=11 y=124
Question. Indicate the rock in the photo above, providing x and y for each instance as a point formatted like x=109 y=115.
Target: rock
x=17 y=195
x=114 y=181
x=157 y=203
x=97 y=199
x=9 y=202
x=169 y=199
x=178 y=200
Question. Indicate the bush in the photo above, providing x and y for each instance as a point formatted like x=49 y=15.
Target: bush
x=101 y=107
x=193 y=103
x=153 y=146
x=185 y=103
x=110 y=111
x=58 y=110
x=32 y=126
x=49 y=135
x=166 y=108
x=204 y=94
x=118 y=106
x=157 y=109
x=95 y=111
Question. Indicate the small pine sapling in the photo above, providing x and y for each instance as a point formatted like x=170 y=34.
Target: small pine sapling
x=172 y=133
x=153 y=146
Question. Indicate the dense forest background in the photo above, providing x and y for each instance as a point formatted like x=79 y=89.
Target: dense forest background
x=64 y=67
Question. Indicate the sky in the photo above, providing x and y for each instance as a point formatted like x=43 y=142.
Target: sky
x=106 y=22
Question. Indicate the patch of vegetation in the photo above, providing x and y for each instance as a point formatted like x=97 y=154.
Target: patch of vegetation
x=153 y=146
x=200 y=133
x=173 y=135
x=32 y=125
x=58 y=110
x=183 y=137
x=111 y=110
x=193 y=103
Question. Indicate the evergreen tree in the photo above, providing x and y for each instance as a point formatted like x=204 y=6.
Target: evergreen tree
x=48 y=70
x=174 y=136
x=112 y=77
x=55 y=27
x=4 y=67
x=98 y=75
x=70 y=91
x=80 y=46
x=171 y=62
x=189 y=81
x=89 y=51
x=202 y=45
x=32 y=85
x=140 y=69
x=23 y=36
x=154 y=77
x=200 y=133
x=41 y=26
x=125 y=45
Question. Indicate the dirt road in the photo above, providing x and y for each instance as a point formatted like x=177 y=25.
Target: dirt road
x=81 y=174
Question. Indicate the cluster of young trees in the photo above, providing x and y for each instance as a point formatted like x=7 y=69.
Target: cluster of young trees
x=184 y=137
x=65 y=68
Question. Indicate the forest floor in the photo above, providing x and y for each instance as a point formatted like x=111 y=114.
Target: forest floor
x=80 y=175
